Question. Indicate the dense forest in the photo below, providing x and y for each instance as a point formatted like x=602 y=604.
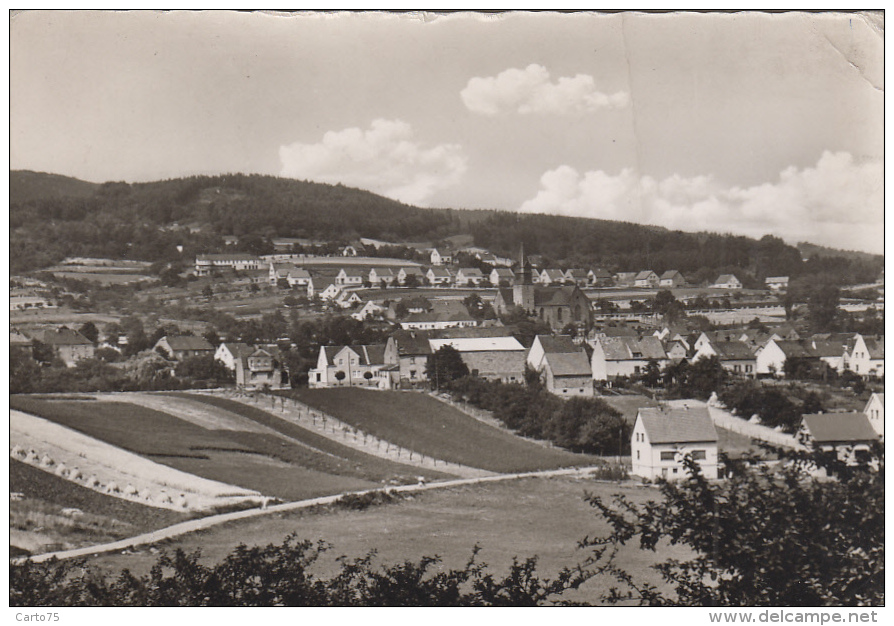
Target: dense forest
x=52 y=217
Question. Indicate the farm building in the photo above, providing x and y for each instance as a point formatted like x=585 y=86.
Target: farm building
x=68 y=345
x=776 y=283
x=549 y=344
x=408 y=350
x=727 y=281
x=491 y=358
x=567 y=374
x=647 y=279
x=179 y=347
x=663 y=436
x=672 y=278
x=207 y=263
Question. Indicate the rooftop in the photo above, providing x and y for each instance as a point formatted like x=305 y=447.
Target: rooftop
x=677 y=425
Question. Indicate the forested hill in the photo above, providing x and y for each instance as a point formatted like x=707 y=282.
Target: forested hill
x=52 y=217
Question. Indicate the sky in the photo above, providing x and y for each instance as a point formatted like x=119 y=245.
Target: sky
x=746 y=123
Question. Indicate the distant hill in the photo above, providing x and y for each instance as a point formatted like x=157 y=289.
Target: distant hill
x=811 y=249
x=52 y=217
x=25 y=186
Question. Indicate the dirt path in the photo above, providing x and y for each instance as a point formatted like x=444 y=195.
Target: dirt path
x=208 y=522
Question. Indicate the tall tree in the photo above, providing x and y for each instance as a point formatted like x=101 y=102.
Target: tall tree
x=444 y=366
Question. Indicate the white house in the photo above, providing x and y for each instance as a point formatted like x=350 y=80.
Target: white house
x=875 y=411
x=317 y=285
x=468 y=276
x=206 y=263
x=776 y=283
x=625 y=356
x=646 y=278
x=866 y=356
x=351 y=276
x=441 y=257
x=347 y=299
x=229 y=353
x=771 y=357
x=500 y=274
x=544 y=344
x=347 y=366
x=663 y=436
x=406 y=272
x=735 y=356
x=368 y=310
x=672 y=278
x=439 y=276
x=552 y=277
x=294 y=275
x=727 y=281
x=850 y=435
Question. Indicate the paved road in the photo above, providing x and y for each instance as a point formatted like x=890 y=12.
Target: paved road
x=207 y=522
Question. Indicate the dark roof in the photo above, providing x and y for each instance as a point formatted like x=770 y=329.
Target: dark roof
x=188 y=342
x=827 y=348
x=18 y=339
x=554 y=296
x=797 y=349
x=875 y=346
x=411 y=342
x=627 y=348
x=600 y=273
x=671 y=274
x=369 y=355
x=644 y=274
x=733 y=350
x=568 y=364
x=239 y=350
x=677 y=425
x=556 y=344
x=834 y=427
x=61 y=337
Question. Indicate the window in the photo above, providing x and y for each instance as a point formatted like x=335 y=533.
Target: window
x=637 y=455
x=341 y=361
x=412 y=373
x=636 y=369
x=698 y=455
x=675 y=470
x=318 y=377
x=559 y=314
x=667 y=456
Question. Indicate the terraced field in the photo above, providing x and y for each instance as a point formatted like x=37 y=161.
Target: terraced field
x=419 y=422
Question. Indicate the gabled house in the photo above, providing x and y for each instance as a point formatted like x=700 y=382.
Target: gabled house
x=866 y=356
x=207 y=263
x=646 y=279
x=439 y=276
x=771 y=358
x=179 y=347
x=491 y=358
x=671 y=279
x=347 y=366
x=675 y=349
x=662 y=437
x=331 y=291
x=552 y=277
x=849 y=435
x=599 y=277
x=441 y=257
x=408 y=350
x=502 y=276
x=625 y=279
x=568 y=374
x=351 y=276
x=735 y=356
x=550 y=344
x=367 y=311
x=405 y=272
x=261 y=369
x=320 y=283
x=399 y=309
x=68 y=345
x=614 y=357
x=229 y=353
x=294 y=275
x=347 y=299
x=443 y=314
x=379 y=275
x=576 y=277
x=727 y=281
x=875 y=411
x=468 y=276
x=776 y=283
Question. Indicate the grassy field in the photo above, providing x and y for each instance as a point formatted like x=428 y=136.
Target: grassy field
x=538 y=516
x=419 y=422
x=37 y=519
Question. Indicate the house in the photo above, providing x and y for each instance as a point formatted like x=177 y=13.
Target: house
x=68 y=345
x=439 y=276
x=443 y=314
x=491 y=358
x=646 y=279
x=206 y=263
x=849 y=435
x=179 y=347
x=771 y=358
x=671 y=279
x=555 y=344
x=776 y=283
x=261 y=369
x=567 y=374
x=676 y=350
x=614 y=357
x=20 y=345
x=502 y=276
x=577 y=277
x=347 y=299
x=351 y=276
x=405 y=272
x=408 y=351
x=229 y=353
x=347 y=366
x=662 y=437
x=441 y=257
x=625 y=279
x=552 y=277
x=735 y=356
x=319 y=283
x=367 y=311
x=380 y=275
x=599 y=277
x=830 y=351
x=399 y=309
x=349 y=251
x=727 y=281
x=866 y=356
x=467 y=276
x=330 y=292
x=875 y=411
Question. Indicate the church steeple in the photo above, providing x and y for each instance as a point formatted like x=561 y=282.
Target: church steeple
x=523 y=290
x=525 y=267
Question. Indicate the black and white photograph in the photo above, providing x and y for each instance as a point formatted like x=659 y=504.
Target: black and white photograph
x=511 y=308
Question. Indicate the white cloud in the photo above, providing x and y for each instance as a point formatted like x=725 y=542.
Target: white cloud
x=530 y=91
x=384 y=159
x=838 y=202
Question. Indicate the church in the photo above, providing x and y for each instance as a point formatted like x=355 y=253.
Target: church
x=557 y=306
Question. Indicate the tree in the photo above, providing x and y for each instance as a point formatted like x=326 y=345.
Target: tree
x=411 y=281
x=340 y=376
x=205 y=368
x=368 y=376
x=89 y=331
x=445 y=366
x=822 y=308
x=764 y=537
x=207 y=292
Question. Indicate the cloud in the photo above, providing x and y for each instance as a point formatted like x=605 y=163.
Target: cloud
x=530 y=91
x=384 y=159
x=838 y=202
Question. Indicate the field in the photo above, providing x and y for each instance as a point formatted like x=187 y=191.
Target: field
x=419 y=422
x=536 y=516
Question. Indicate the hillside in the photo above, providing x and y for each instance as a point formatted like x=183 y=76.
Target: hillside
x=52 y=217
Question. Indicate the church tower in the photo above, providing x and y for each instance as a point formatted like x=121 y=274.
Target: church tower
x=523 y=290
